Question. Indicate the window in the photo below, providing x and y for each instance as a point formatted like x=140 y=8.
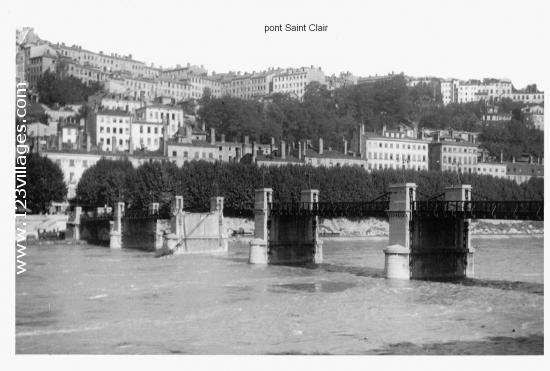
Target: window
x=174 y=153
x=120 y=130
x=71 y=162
x=120 y=142
x=185 y=154
x=108 y=130
x=141 y=129
x=148 y=130
x=84 y=163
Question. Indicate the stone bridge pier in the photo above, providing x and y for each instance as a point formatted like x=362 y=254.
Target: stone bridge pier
x=286 y=238
x=115 y=234
x=428 y=246
x=258 y=246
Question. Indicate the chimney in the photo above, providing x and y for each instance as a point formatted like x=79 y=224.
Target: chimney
x=362 y=128
x=345 y=147
x=212 y=136
x=299 y=151
x=283 y=149
x=254 y=149
x=384 y=130
x=203 y=127
x=165 y=138
x=513 y=159
x=223 y=138
x=246 y=139
x=88 y=142
x=320 y=146
x=501 y=157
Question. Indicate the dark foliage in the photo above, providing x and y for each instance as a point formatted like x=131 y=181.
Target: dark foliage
x=44 y=183
x=197 y=181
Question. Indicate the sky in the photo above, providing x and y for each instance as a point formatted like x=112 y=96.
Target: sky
x=461 y=39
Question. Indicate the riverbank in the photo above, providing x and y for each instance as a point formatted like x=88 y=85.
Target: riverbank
x=339 y=228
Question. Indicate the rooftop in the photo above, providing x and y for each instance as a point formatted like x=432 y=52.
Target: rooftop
x=116 y=112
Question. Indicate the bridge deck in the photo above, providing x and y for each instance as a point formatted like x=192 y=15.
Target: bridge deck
x=517 y=210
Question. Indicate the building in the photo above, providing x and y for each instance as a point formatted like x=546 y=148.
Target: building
x=106 y=63
x=103 y=101
x=526 y=96
x=155 y=113
x=373 y=79
x=293 y=81
x=495 y=169
x=393 y=149
x=343 y=80
x=493 y=114
x=490 y=90
x=109 y=129
x=453 y=155
x=521 y=172
x=330 y=158
x=41 y=58
x=536 y=114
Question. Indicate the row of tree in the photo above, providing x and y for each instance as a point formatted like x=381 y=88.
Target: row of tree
x=109 y=181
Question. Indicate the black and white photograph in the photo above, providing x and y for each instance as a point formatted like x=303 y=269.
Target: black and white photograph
x=287 y=180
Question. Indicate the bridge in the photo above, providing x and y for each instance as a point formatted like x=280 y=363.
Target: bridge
x=428 y=239
x=177 y=230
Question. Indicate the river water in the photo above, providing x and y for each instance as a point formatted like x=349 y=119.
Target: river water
x=89 y=299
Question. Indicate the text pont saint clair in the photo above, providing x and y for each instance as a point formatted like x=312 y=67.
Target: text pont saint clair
x=313 y=27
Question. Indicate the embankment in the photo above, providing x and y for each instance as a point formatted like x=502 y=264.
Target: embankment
x=373 y=227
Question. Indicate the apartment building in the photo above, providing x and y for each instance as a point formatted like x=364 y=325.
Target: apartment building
x=293 y=81
x=395 y=150
x=39 y=59
x=453 y=155
x=107 y=63
x=156 y=113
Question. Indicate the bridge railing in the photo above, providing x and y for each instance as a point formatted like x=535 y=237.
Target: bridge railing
x=330 y=209
x=519 y=210
x=145 y=214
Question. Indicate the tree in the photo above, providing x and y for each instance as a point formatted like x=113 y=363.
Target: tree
x=57 y=88
x=106 y=182
x=45 y=183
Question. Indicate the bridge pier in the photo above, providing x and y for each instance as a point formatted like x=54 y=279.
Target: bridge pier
x=463 y=192
x=216 y=206
x=176 y=220
x=115 y=235
x=397 y=253
x=311 y=196
x=73 y=225
x=258 y=245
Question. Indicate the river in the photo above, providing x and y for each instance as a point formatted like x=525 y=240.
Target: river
x=89 y=299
